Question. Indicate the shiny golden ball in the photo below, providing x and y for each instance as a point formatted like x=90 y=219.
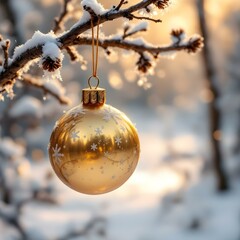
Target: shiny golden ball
x=94 y=150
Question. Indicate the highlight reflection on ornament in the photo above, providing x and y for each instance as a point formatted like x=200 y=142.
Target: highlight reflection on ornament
x=94 y=147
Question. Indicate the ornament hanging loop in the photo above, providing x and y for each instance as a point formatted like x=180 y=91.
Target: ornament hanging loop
x=95 y=56
x=89 y=82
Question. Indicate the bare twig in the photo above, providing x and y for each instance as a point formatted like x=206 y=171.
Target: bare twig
x=132 y=16
x=28 y=79
x=120 y=5
x=60 y=20
x=5 y=48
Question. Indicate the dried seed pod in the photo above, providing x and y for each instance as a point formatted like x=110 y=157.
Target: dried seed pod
x=195 y=44
x=162 y=4
x=177 y=32
x=51 y=65
x=143 y=64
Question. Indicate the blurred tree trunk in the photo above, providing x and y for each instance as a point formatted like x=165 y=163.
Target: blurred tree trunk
x=214 y=112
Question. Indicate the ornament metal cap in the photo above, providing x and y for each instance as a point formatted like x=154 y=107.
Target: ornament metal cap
x=93 y=97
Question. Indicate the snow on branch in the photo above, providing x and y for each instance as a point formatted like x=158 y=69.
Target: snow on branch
x=139 y=45
x=131 y=30
x=37 y=47
x=52 y=88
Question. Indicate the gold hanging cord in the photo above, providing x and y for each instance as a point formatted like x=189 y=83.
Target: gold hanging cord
x=94 y=56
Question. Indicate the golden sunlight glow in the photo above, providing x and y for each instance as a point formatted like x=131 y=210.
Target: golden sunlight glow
x=115 y=80
x=130 y=75
x=184 y=102
x=162 y=181
x=206 y=95
x=214 y=8
x=113 y=57
x=24 y=168
x=37 y=154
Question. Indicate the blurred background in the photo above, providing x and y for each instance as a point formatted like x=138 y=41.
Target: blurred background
x=186 y=185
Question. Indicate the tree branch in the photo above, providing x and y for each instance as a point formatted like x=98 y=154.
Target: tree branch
x=5 y=48
x=120 y=5
x=65 y=40
x=60 y=20
x=132 y=16
x=139 y=48
x=71 y=38
x=30 y=80
x=126 y=34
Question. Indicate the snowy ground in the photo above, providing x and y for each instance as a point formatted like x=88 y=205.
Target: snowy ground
x=164 y=199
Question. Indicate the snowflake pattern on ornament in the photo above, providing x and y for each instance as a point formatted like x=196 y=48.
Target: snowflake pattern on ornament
x=123 y=129
x=109 y=114
x=78 y=112
x=98 y=131
x=122 y=161
x=94 y=147
x=57 y=155
x=118 y=140
x=74 y=135
x=106 y=154
x=69 y=124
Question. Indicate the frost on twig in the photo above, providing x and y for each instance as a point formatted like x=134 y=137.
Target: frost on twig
x=53 y=88
x=129 y=30
x=8 y=88
x=5 y=47
x=75 y=56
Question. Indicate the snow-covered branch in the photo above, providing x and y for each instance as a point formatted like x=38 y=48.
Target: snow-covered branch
x=192 y=45
x=47 y=87
x=35 y=48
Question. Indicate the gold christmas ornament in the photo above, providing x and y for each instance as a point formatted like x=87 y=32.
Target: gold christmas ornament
x=94 y=147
